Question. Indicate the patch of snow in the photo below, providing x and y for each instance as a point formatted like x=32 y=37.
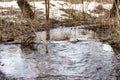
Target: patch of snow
x=107 y=6
x=38 y=5
x=96 y=15
x=90 y=6
x=9 y=4
x=41 y=36
x=54 y=10
x=107 y=47
x=71 y=33
x=55 y=7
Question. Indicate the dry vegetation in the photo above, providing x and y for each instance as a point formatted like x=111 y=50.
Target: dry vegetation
x=100 y=10
x=23 y=27
x=72 y=1
x=80 y=1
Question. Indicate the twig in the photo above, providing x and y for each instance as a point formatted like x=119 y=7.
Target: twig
x=25 y=43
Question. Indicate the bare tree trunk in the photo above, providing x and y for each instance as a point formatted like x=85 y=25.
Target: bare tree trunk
x=47 y=7
x=25 y=8
x=83 y=9
x=115 y=8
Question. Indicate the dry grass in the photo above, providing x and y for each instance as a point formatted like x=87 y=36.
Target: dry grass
x=99 y=10
x=61 y=38
x=72 y=1
x=72 y=13
x=76 y=17
x=80 y=1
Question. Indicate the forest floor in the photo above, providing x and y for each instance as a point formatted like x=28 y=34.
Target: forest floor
x=61 y=14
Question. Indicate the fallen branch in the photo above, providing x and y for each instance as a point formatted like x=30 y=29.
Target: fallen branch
x=22 y=43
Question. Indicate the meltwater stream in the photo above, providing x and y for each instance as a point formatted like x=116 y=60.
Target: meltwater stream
x=66 y=60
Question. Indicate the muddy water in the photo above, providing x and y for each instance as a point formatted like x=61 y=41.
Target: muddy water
x=66 y=60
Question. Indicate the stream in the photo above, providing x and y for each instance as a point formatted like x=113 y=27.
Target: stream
x=73 y=54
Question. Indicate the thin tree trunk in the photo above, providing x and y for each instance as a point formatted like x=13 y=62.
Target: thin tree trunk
x=25 y=8
x=47 y=7
x=115 y=8
x=83 y=9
